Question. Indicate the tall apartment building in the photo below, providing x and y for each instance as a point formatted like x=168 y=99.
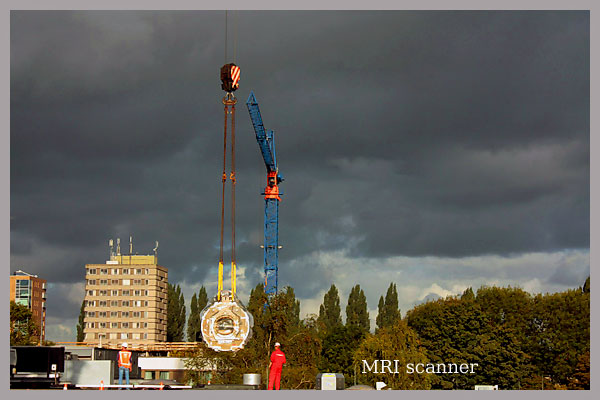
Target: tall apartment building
x=126 y=300
x=30 y=291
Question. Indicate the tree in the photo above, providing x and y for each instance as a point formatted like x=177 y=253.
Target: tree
x=380 y=314
x=357 y=313
x=193 y=321
x=338 y=350
x=81 y=323
x=175 y=314
x=395 y=342
x=23 y=329
x=202 y=299
x=330 y=313
x=559 y=333
x=389 y=313
x=481 y=330
x=586 y=285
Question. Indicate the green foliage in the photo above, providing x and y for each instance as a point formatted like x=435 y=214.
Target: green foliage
x=81 y=323
x=357 y=313
x=389 y=313
x=515 y=338
x=23 y=329
x=586 y=285
x=330 y=313
x=559 y=333
x=338 y=348
x=396 y=342
x=193 y=323
x=175 y=314
x=202 y=299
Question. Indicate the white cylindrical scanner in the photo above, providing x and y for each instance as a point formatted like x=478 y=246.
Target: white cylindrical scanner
x=226 y=324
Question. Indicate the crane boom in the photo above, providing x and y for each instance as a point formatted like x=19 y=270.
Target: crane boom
x=266 y=143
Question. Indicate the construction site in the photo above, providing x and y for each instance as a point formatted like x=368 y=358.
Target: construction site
x=433 y=226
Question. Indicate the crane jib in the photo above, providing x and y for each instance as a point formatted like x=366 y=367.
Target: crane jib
x=265 y=139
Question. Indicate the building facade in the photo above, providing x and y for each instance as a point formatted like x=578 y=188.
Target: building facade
x=30 y=291
x=126 y=300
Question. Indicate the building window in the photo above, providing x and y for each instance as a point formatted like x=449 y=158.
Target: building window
x=114 y=325
x=148 y=374
x=136 y=314
x=146 y=303
x=115 y=271
x=91 y=292
x=91 y=281
x=145 y=336
x=103 y=271
x=125 y=292
x=102 y=303
x=114 y=292
x=125 y=303
x=125 y=314
x=103 y=292
x=102 y=325
x=125 y=271
x=91 y=271
x=145 y=326
x=164 y=375
x=103 y=282
x=113 y=336
x=123 y=336
x=114 y=303
x=126 y=282
x=147 y=271
x=125 y=325
x=114 y=282
x=114 y=314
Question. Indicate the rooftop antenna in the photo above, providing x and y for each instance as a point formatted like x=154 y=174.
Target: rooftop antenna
x=118 y=246
x=110 y=245
x=156 y=249
x=130 y=245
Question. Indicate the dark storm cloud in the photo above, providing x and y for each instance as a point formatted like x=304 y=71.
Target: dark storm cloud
x=398 y=133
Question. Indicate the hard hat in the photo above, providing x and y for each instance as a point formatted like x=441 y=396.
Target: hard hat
x=125 y=344
x=277 y=344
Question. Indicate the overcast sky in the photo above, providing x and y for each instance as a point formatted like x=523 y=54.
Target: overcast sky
x=436 y=150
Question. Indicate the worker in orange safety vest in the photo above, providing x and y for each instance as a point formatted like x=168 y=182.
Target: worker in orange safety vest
x=124 y=363
x=276 y=364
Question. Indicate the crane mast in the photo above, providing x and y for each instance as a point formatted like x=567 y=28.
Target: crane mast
x=266 y=143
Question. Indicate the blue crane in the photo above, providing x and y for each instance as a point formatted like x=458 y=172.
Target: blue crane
x=266 y=142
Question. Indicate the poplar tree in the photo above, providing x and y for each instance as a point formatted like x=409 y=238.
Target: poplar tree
x=389 y=313
x=81 y=323
x=330 y=313
x=175 y=314
x=357 y=313
x=202 y=299
x=193 y=320
x=379 y=320
x=194 y=325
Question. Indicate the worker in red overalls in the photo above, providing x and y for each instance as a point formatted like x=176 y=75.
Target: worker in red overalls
x=276 y=364
x=124 y=363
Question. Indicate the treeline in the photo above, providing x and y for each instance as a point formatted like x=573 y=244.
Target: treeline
x=517 y=340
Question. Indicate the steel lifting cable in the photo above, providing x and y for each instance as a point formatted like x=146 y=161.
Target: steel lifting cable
x=229 y=102
x=232 y=177
x=224 y=178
